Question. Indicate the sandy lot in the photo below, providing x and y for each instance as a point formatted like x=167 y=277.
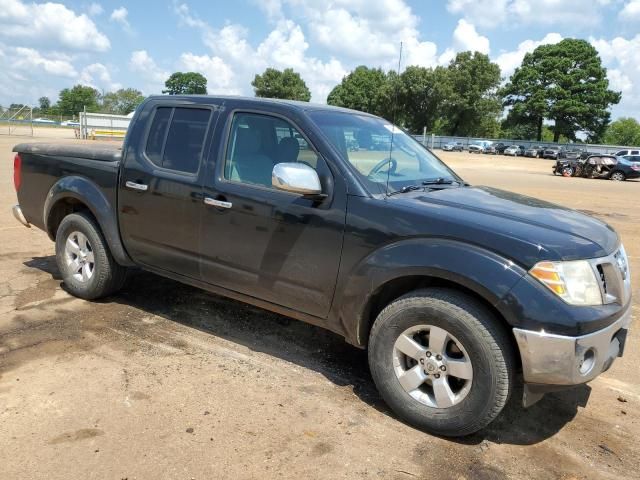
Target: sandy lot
x=166 y=381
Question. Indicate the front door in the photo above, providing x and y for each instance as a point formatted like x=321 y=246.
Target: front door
x=266 y=243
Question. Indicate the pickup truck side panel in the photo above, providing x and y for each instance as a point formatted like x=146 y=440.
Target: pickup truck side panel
x=56 y=180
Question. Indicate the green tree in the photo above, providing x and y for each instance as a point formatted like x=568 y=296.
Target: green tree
x=186 y=83
x=122 y=102
x=365 y=89
x=473 y=104
x=624 y=131
x=285 y=84
x=422 y=94
x=564 y=83
x=44 y=104
x=76 y=99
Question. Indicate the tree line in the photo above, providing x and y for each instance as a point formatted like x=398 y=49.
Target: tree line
x=558 y=93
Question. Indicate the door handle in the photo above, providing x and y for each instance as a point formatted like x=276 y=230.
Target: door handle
x=136 y=186
x=217 y=203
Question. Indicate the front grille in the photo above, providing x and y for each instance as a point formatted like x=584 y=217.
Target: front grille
x=614 y=277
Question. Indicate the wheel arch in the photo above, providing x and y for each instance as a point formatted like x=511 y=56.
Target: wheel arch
x=418 y=263
x=75 y=194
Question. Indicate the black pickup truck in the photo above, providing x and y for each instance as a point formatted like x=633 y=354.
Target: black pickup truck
x=457 y=291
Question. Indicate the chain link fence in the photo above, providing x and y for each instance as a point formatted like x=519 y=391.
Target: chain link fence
x=16 y=120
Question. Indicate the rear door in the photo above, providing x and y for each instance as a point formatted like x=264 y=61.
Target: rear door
x=160 y=189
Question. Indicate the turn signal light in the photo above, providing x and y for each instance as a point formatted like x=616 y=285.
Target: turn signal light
x=548 y=274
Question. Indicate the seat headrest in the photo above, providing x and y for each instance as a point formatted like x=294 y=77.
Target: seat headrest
x=288 y=149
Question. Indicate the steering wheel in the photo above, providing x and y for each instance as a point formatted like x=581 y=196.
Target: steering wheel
x=393 y=165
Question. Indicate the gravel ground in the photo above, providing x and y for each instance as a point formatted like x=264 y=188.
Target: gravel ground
x=167 y=381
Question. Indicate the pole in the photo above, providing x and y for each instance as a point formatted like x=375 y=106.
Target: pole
x=424 y=136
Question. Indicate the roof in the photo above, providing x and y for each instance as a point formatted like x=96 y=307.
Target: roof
x=306 y=106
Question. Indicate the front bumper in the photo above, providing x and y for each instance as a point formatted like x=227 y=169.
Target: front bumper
x=550 y=359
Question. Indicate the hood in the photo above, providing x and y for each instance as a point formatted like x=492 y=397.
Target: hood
x=522 y=228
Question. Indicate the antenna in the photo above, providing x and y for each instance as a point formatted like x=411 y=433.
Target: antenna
x=393 y=119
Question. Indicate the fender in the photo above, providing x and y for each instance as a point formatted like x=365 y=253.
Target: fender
x=486 y=273
x=87 y=192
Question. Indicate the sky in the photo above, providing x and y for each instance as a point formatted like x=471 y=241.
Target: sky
x=45 y=47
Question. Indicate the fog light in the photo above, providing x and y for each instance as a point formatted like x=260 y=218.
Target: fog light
x=588 y=361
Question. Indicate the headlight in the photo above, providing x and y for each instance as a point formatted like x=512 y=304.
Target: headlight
x=575 y=282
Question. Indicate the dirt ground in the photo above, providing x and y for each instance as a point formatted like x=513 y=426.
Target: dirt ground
x=167 y=381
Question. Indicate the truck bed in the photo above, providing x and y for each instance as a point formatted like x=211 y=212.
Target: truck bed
x=104 y=152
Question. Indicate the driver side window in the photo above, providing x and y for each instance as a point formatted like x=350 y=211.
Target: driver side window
x=258 y=142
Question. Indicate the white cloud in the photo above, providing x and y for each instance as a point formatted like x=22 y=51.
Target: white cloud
x=120 y=16
x=98 y=76
x=237 y=61
x=622 y=57
x=498 y=13
x=630 y=12
x=465 y=37
x=146 y=68
x=485 y=13
x=219 y=75
x=509 y=61
x=50 y=24
x=95 y=9
x=56 y=64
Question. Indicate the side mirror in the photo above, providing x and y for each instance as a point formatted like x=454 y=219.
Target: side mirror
x=296 y=178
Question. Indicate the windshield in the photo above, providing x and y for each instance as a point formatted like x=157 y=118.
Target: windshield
x=366 y=143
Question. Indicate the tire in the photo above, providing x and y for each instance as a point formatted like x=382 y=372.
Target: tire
x=618 y=176
x=469 y=404
x=567 y=172
x=84 y=260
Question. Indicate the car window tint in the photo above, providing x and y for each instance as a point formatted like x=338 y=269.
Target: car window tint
x=185 y=139
x=258 y=142
x=157 y=134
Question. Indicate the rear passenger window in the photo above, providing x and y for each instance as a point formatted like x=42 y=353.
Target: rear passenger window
x=157 y=134
x=179 y=148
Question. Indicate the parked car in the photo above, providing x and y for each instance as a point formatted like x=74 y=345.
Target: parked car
x=456 y=291
x=554 y=153
x=599 y=166
x=534 y=151
x=479 y=147
x=70 y=123
x=514 y=151
x=572 y=153
x=624 y=153
x=495 y=148
x=42 y=120
x=453 y=147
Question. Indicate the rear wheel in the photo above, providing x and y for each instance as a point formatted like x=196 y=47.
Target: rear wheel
x=618 y=176
x=441 y=361
x=88 y=269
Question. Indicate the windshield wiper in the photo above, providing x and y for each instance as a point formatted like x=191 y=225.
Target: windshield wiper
x=440 y=181
x=408 y=188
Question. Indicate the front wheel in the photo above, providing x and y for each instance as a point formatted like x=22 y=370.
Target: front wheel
x=88 y=269
x=441 y=361
x=567 y=172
